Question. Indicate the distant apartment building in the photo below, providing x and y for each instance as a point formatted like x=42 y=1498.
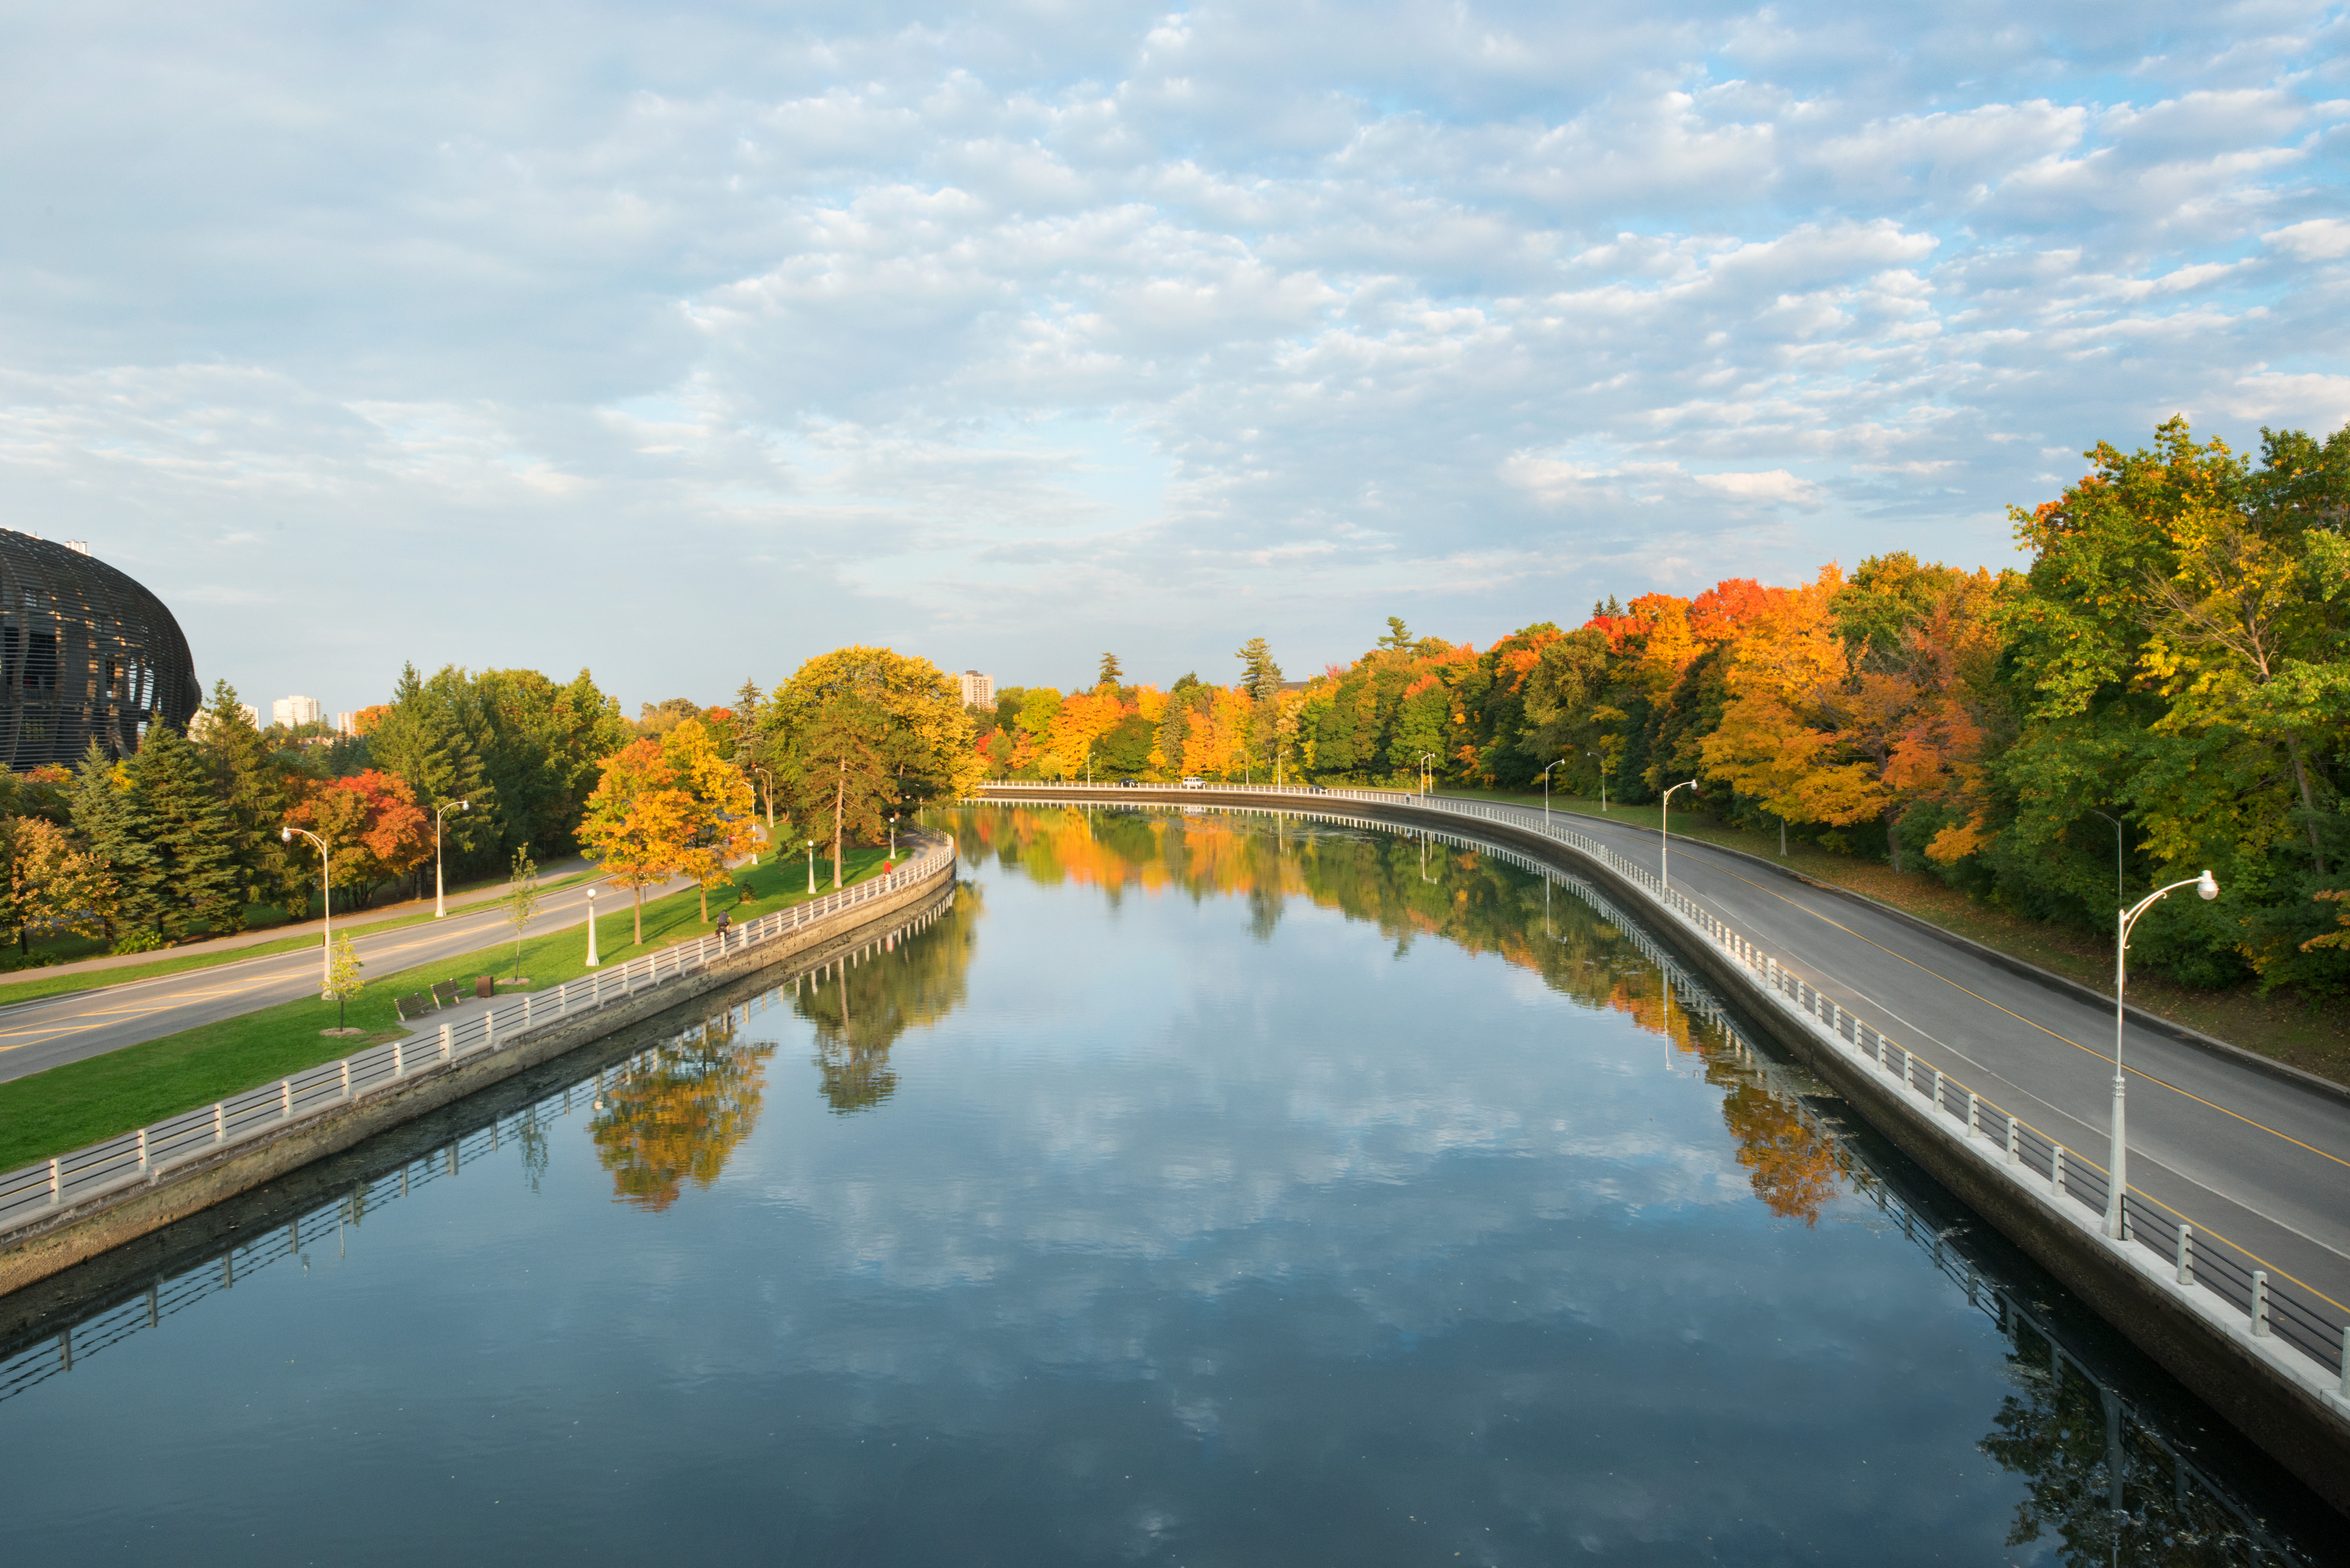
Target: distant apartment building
x=978 y=690
x=292 y=710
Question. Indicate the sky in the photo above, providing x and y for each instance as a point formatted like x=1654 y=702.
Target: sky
x=684 y=343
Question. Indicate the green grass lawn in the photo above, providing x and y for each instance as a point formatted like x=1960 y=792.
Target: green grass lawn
x=34 y=984
x=82 y=1102
x=2279 y=1027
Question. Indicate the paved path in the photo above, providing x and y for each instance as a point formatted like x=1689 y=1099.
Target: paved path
x=2256 y=1160
x=50 y=1031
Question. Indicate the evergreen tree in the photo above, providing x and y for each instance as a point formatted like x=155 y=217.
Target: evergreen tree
x=433 y=738
x=106 y=821
x=255 y=792
x=194 y=878
x=1171 y=734
x=1111 y=676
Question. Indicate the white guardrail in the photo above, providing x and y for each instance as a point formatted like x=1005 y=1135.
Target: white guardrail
x=33 y=1193
x=2297 y=1329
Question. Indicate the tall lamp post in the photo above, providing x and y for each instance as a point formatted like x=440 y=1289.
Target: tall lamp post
x=326 y=903
x=1603 y=779
x=1664 y=840
x=893 y=838
x=2118 y=856
x=1561 y=763
x=2118 y=1161
x=593 y=961
x=440 y=904
x=811 y=865
x=1426 y=758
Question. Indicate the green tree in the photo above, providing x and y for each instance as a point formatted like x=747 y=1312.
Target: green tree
x=257 y=789
x=193 y=880
x=1111 y=676
x=342 y=982
x=432 y=736
x=520 y=903
x=105 y=822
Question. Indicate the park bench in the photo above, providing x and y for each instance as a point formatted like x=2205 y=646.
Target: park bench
x=445 y=993
x=410 y=1007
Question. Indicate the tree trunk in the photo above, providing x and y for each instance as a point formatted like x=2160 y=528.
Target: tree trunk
x=839 y=798
x=1893 y=839
x=2308 y=801
x=641 y=915
x=705 y=903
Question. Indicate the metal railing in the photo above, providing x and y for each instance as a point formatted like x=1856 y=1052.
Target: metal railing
x=34 y=1359
x=2267 y=1303
x=34 y=1192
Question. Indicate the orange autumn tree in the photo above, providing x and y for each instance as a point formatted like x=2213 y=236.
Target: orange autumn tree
x=373 y=828
x=1854 y=701
x=640 y=825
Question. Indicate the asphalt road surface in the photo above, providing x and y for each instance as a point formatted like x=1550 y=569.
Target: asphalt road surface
x=50 y=1031
x=2252 y=1160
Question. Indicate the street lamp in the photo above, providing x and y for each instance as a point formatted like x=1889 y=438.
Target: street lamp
x=1603 y=778
x=1559 y=763
x=2118 y=856
x=440 y=904
x=593 y=961
x=326 y=903
x=1664 y=843
x=893 y=838
x=2118 y=1179
x=1425 y=759
x=811 y=865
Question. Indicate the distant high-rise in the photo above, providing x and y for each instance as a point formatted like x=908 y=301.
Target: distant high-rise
x=292 y=710
x=346 y=724
x=978 y=690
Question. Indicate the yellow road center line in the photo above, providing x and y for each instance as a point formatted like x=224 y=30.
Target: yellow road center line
x=2077 y=1046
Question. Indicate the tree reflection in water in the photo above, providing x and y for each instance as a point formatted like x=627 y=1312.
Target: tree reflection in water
x=1413 y=888
x=861 y=1005
x=2103 y=1482
x=678 y=1113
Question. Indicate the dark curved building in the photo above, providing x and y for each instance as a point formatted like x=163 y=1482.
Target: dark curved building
x=86 y=654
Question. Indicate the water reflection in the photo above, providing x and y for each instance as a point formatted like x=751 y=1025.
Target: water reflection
x=678 y=1116
x=1157 y=1284
x=861 y=1003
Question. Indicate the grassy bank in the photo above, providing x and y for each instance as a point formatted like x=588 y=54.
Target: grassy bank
x=31 y=985
x=2278 y=1027
x=82 y=1102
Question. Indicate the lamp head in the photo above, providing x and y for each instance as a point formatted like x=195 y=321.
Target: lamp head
x=464 y=805
x=2205 y=888
x=287 y=834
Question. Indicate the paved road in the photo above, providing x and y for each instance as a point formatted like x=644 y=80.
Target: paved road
x=2252 y=1160
x=54 y=1030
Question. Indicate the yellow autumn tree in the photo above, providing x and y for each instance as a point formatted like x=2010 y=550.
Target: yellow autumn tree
x=640 y=825
x=720 y=805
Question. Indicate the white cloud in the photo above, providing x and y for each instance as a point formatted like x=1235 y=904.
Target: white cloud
x=1010 y=341
x=2318 y=239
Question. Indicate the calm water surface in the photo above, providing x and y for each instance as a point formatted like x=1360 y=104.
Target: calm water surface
x=1187 y=1188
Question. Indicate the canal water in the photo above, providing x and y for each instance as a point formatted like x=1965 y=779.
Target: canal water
x=1183 y=1188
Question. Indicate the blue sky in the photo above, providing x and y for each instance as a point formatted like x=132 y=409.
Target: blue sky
x=685 y=342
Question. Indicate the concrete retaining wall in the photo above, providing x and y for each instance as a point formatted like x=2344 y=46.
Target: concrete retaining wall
x=2297 y=1431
